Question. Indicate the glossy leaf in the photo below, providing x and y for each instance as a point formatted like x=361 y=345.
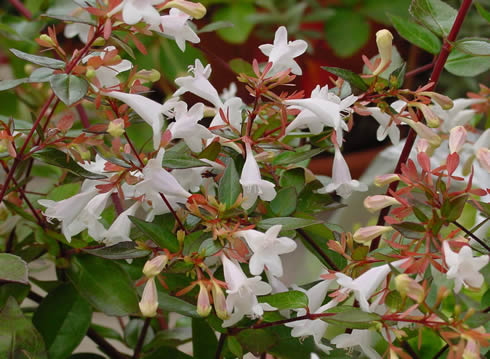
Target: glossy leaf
x=240 y=66
x=63 y=192
x=289 y=157
x=284 y=204
x=10 y=84
x=62 y=318
x=211 y=152
x=170 y=303
x=39 y=60
x=461 y=64
x=416 y=34
x=13 y=269
x=287 y=223
x=122 y=250
x=474 y=46
x=351 y=77
x=104 y=284
x=436 y=15
x=204 y=342
x=409 y=229
x=229 y=186
x=58 y=158
x=287 y=300
x=157 y=234
x=41 y=74
x=173 y=159
x=351 y=317
x=69 y=88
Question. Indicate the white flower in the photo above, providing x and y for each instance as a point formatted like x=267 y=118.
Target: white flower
x=133 y=11
x=387 y=127
x=457 y=115
x=463 y=267
x=186 y=126
x=266 y=248
x=322 y=109
x=232 y=108
x=79 y=29
x=360 y=338
x=150 y=111
x=229 y=92
x=242 y=293
x=107 y=75
x=199 y=84
x=342 y=182
x=316 y=327
x=149 y=299
x=121 y=227
x=282 y=52
x=176 y=26
x=480 y=149
x=253 y=185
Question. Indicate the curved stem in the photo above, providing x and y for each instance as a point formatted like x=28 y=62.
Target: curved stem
x=483 y=244
x=141 y=339
x=221 y=345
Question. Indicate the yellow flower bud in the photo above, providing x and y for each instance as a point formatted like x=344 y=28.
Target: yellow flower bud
x=219 y=301
x=365 y=235
x=148 y=75
x=377 y=202
x=196 y=10
x=154 y=266
x=407 y=286
x=116 y=128
x=384 y=40
x=90 y=73
x=99 y=41
x=47 y=39
x=383 y=180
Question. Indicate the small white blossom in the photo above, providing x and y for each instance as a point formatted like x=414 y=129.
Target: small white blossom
x=133 y=11
x=242 y=293
x=79 y=29
x=232 y=109
x=229 y=92
x=121 y=227
x=458 y=115
x=387 y=127
x=282 y=52
x=176 y=26
x=266 y=248
x=186 y=126
x=358 y=337
x=107 y=75
x=463 y=267
x=342 y=182
x=253 y=185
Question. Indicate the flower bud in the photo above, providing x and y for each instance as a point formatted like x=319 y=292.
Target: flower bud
x=407 y=286
x=365 y=235
x=209 y=111
x=99 y=41
x=430 y=117
x=424 y=132
x=90 y=73
x=203 y=303
x=422 y=145
x=384 y=40
x=47 y=39
x=154 y=266
x=196 y=10
x=483 y=157
x=375 y=203
x=383 y=180
x=219 y=301
x=149 y=300
x=116 y=128
x=3 y=145
x=148 y=75
x=457 y=138
x=445 y=102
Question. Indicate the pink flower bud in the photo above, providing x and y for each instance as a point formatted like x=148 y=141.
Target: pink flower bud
x=203 y=303
x=457 y=138
x=445 y=102
x=430 y=117
x=219 y=301
x=365 y=235
x=483 y=157
x=383 y=180
x=422 y=145
x=149 y=301
x=384 y=40
x=154 y=266
x=116 y=128
x=424 y=132
x=375 y=203
x=407 y=286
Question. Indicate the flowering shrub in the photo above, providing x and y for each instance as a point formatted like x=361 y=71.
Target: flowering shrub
x=196 y=223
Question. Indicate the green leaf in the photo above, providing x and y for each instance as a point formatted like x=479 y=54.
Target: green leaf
x=416 y=34
x=13 y=269
x=170 y=337
x=211 y=152
x=378 y=9
x=10 y=84
x=18 y=291
x=289 y=157
x=256 y=340
x=473 y=46
x=410 y=230
x=351 y=317
x=456 y=207
x=132 y=332
x=461 y=64
x=106 y=332
x=399 y=75
x=39 y=60
x=63 y=192
x=204 y=342
x=294 y=177
x=236 y=13
x=158 y=234
x=62 y=318
x=193 y=242
x=169 y=303
x=18 y=337
x=435 y=15
x=122 y=250
x=58 y=158
x=229 y=186
x=287 y=223
x=234 y=346
x=217 y=25
x=346 y=21
x=104 y=284
x=210 y=247
x=352 y=78
x=287 y=300
x=481 y=10
x=174 y=159
x=41 y=74
x=284 y=204
x=240 y=66
x=167 y=352
x=69 y=88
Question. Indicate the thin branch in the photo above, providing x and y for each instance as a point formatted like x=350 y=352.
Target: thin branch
x=483 y=244
x=141 y=339
x=117 y=203
x=440 y=352
x=221 y=345
x=21 y=8
x=420 y=69
x=83 y=116
x=317 y=248
x=104 y=345
x=409 y=350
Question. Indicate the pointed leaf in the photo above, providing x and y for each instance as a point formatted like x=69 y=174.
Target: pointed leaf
x=39 y=60
x=123 y=250
x=204 y=342
x=287 y=223
x=461 y=64
x=284 y=204
x=13 y=269
x=158 y=234
x=69 y=88
x=474 y=46
x=10 y=84
x=169 y=303
x=352 y=78
x=416 y=34
x=229 y=186
x=436 y=15
x=287 y=300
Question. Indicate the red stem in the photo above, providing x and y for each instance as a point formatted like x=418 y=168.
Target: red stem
x=434 y=79
x=21 y=8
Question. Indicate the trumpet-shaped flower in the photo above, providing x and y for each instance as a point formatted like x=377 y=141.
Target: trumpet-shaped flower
x=358 y=337
x=266 y=248
x=77 y=28
x=282 y=53
x=176 y=26
x=316 y=327
x=242 y=293
x=253 y=185
x=107 y=75
x=387 y=127
x=342 y=182
x=199 y=84
x=463 y=267
x=186 y=126
x=133 y=11
x=121 y=227
x=321 y=109
x=150 y=111
x=458 y=115
x=232 y=109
